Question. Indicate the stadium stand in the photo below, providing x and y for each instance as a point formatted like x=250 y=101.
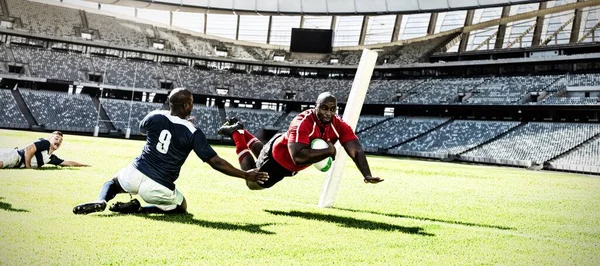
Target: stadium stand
x=118 y=112
x=367 y=121
x=61 y=65
x=534 y=143
x=12 y=116
x=441 y=91
x=509 y=90
x=254 y=119
x=3 y=53
x=454 y=138
x=53 y=21
x=395 y=131
x=198 y=81
x=584 y=158
x=62 y=111
x=129 y=72
x=578 y=80
x=208 y=120
x=382 y=91
x=120 y=32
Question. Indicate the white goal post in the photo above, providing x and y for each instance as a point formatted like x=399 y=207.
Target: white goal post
x=351 y=115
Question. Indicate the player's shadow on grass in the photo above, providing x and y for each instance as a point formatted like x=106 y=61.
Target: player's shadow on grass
x=189 y=219
x=352 y=222
x=8 y=207
x=430 y=219
x=62 y=168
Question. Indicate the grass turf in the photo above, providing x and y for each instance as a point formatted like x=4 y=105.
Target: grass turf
x=424 y=213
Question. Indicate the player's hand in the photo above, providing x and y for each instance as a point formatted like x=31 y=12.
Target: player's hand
x=254 y=175
x=372 y=179
x=331 y=149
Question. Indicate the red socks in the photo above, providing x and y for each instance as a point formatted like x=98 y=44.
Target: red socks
x=242 y=141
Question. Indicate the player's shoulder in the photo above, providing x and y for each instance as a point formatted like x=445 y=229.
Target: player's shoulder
x=305 y=116
x=42 y=141
x=158 y=113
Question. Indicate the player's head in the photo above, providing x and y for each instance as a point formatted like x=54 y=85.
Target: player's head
x=56 y=139
x=326 y=107
x=181 y=102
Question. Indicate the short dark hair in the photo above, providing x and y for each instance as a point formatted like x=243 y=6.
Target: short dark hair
x=325 y=97
x=57 y=133
x=178 y=97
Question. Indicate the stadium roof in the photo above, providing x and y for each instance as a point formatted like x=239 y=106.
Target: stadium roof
x=315 y=7
x=525 y=24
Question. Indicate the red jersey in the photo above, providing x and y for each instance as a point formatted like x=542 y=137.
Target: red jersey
x=303 y=129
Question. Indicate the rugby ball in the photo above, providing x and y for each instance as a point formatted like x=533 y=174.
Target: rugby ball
x=325 y=164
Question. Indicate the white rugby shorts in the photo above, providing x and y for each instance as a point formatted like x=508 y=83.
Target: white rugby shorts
x=9 y=158
x=135 y=182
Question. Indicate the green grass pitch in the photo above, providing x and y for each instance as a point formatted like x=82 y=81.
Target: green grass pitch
x=424 y=213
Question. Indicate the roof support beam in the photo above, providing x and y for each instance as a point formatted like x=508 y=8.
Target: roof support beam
x=464 y=39
x=333 y=23
x=237 y=28
x=363 y=30
x=269 y=29
x=519 y=39
x=576 y=25
x=532 y=14
x=205 y=22
x=539 y=26
x=557 y=31
x=590 y=32
x=432 y=23
x=396 y=30
x=502 y=29
x=302 y=22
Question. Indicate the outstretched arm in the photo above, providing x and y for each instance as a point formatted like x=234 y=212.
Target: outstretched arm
x=29 y=153
x=225 y=167
x=357 y=154
x=73 y=163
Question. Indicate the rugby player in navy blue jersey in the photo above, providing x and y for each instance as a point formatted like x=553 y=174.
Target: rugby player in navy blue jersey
x=37 y=154
x=169 y=140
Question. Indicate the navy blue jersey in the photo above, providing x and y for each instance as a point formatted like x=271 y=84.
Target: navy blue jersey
x=169 y=141
x=41 y=156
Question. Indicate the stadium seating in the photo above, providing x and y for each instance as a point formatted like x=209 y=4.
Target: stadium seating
x=62 y=111
x=198 y=81
x=49 y=64
x=3 y=53
x=577 y=80
x=441 y=91
x=253 y=119
x=208 y=120
x=129 y=73
x=395 y=131
x=585 y=158
x=454 y=138
x=509 y=90
x=120 y=32
x=383 y=91
x=536 y=142
x=45 y=19
x=12 y=116
x=257 y=86
x=118 y=112
x=367 y=121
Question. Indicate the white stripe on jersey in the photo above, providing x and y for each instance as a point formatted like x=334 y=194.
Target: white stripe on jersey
x=334 y=130
x=176 y=119
x=299 y=125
